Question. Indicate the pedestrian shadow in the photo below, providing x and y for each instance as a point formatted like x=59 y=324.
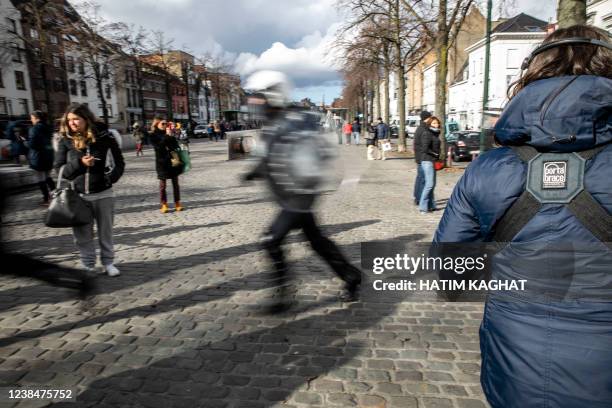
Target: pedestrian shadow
x=141 y=272
x=129 y=236
x=192 y=204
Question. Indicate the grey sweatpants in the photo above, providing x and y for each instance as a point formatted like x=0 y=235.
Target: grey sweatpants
x=103 y=211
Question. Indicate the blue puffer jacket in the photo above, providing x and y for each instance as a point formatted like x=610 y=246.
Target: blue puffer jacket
x=539 y=353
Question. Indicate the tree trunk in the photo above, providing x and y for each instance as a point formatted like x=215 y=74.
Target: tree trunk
x=571 y=12
x=378 y=102
x=401 y=84
x=364 y=100
x=45 y=84
x=186 y=81
x=99 y=87
x=387 y=99
x=441 y=72
x=169 y=108
x=140 y=81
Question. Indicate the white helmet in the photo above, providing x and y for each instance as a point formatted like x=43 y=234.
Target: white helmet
x=274 y=85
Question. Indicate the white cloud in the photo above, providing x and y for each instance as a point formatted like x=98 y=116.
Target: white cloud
x=310 y=62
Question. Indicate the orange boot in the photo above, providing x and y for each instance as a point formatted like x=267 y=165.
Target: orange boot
x=164 y=208
x=178 y=206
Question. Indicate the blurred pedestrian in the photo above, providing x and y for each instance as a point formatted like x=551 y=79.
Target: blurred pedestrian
x=139 y=136
x=383 y=136
x=356 y=131
x=40 y=153
x=217 y=130
x=15 y=132
x=166 y=147
x=210 y=130
x=347 y=129
x=419 y=181
x=82 y=154
x=295 y=190
x=429 y=152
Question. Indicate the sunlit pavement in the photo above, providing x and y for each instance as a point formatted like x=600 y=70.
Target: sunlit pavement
x=182 y=326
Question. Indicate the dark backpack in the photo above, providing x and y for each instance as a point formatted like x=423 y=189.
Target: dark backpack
x=555 y=178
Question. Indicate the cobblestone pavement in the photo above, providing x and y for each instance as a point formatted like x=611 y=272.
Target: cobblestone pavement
x=182 y=324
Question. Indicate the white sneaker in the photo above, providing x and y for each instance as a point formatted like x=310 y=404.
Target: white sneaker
x=111 y=270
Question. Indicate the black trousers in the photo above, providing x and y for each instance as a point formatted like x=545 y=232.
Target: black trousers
x=326 y=248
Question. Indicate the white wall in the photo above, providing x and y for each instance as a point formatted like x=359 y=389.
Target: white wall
x=429 y=88
x=599 y=13
x=507 y=54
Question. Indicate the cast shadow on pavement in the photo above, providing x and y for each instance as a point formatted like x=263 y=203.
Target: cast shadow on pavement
x=213 y=292
x=259 y=368
x=139 y=272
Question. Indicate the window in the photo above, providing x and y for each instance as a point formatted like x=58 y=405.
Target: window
x=81 y=67
x=34 y=33
x=16 y=52
x=109 y=109
x=53 y=38
x=83 y=88
x=12 y=25
x=512 y=58
x=3 y=110
x=70 y=64
x=57 y=63
x=73 y=87
x=1 y=81
x=57 y=84
x=20 y=80
x=23 y=106
x=107 y=91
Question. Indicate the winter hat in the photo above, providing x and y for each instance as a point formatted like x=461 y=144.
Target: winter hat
x=425 y=115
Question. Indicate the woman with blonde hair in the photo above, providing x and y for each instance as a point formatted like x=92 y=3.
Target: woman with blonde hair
x=81 y=158
x=164 y=144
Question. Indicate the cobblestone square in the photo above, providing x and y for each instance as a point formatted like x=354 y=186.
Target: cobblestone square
x=182 y=326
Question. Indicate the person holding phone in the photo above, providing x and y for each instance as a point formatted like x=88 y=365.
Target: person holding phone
x=81 y=158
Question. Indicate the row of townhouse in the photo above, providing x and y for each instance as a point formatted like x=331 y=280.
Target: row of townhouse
x=194 y=92
x=512 y=40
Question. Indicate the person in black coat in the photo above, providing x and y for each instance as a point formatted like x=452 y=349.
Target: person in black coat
x=90 y=157
x=40 y=153
x=165 y=146
x=429 y=152
x=420 y=179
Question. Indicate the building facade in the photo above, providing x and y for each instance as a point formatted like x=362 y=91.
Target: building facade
x=15 y=84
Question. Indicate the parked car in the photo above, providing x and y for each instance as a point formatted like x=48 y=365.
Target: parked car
x=412 y=123
x=463 y=144
x=200 y=131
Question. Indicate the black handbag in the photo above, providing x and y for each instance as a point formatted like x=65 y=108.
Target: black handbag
x=67 y=208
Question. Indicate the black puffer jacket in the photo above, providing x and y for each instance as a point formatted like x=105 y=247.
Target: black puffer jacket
x=99 y=177
x=163 y=145
x=40 y=154
x=429 y=145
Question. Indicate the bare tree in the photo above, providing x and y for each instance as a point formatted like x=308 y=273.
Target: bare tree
x=88 y=31
x=447 y=26
x=398 y=33
x=571 y=12
x=133 y=41
x=160 y=46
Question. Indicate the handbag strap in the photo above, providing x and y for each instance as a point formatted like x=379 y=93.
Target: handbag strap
x=60 y=178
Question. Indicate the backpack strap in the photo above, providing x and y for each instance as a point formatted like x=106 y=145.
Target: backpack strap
x=585 y=208
x=523 y=209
